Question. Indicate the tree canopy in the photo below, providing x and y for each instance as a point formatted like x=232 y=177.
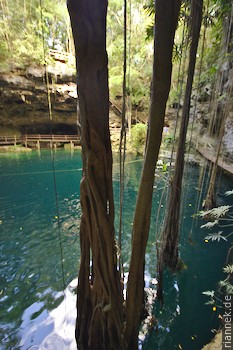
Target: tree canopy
x=27 y=27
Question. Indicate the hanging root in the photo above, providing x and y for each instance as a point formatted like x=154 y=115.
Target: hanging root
x=160 y=284
x=170 y=259
x=160 y=267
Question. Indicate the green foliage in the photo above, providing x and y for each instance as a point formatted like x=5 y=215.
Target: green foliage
x=26 y=30
x=161 y=165
x=138 y=137
x=214 y=17
x=168 y=140
x=209 y=293
x=228 y=269
x=25 y=50
x=229 y=193
x=139 y=51
x=227 y=282
x=210 y=224
x=215 y=212
x=225 y=285
x=216 y=236
x=222 y=217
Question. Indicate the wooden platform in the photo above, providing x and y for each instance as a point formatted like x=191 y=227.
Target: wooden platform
x=221 y=164
x=35 y=140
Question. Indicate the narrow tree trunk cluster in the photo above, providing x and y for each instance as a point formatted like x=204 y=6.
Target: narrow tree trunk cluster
x=103 y=322
x=168 y=254
x=221 y=107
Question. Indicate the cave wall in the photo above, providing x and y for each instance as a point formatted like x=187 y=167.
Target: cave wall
x=24 y=101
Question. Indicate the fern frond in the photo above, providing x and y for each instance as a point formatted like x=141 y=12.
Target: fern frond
x=215 y=212
x=202 y=213
x=210 y=302
x=223 y=283
x=220 y=211
x=216 y=236
x=228 y=269
x=228 y=193
x=229 y=288
x=210 y=293
x=149 y=9
x=210 y=224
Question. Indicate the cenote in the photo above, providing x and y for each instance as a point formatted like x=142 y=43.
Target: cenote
x=39 y=228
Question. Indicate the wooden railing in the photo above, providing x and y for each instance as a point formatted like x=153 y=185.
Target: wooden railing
x=62 y=56
x=38 y=138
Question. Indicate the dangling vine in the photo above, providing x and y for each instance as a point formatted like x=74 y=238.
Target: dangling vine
x=222 y=105
x=198 y=87
x=50 y=116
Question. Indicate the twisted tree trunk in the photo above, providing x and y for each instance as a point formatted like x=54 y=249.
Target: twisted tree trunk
x=100 y=299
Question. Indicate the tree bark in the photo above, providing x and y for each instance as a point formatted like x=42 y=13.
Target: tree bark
x=222 y=107
x=100 y=298
x=166 y=22
x=168 y=252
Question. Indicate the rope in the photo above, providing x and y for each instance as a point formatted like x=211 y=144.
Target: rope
x=52 y=150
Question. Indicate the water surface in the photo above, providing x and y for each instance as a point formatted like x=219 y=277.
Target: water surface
x=39 y=253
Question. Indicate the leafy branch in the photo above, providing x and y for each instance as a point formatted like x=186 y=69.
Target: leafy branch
x=218 y=215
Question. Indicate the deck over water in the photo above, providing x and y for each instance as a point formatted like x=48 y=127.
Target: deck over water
x=35 y=140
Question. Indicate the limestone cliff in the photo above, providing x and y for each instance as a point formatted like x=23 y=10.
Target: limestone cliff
x=24 y=101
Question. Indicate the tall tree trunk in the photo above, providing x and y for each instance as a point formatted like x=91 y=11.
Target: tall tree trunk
x=221 y=107
x=168 y=252
x=100 y=298
x=166 y=22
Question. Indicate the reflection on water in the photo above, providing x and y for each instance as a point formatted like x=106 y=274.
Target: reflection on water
x=35 y=312
x=30 y=255
x=51 y=330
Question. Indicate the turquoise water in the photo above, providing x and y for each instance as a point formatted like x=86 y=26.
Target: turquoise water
x=39 y=222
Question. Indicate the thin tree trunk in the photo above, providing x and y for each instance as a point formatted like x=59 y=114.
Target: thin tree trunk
x=166 y=23
x=223 y=106
x=100 y=298
x=168 y=252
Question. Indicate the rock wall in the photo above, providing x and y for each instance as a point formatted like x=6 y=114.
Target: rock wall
x=24 y=101
x=228 y=137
